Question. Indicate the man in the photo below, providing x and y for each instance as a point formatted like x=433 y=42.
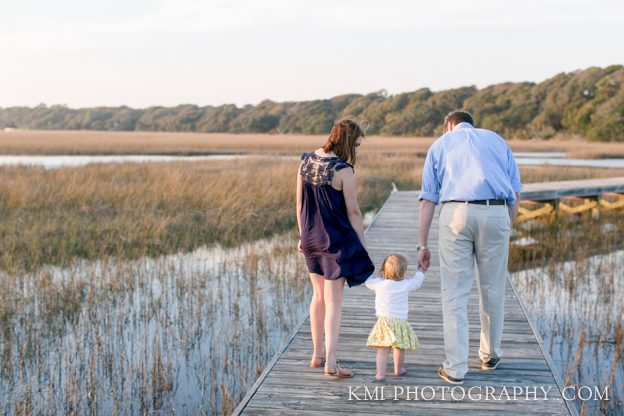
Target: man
x=473 y=174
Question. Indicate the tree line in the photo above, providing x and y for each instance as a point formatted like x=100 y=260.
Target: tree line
x=589 y=103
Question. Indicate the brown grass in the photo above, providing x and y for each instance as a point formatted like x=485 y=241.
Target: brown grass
x=133 y=210
x=107 y=143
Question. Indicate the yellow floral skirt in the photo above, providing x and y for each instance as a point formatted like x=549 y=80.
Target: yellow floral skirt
x=392 y=332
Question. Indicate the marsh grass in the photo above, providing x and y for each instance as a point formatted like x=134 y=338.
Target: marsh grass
x=186 y=333
x=36 y=142
x=572 y=280
x=130 y=210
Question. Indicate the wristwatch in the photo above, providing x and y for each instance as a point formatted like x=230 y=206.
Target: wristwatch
x=420 y=248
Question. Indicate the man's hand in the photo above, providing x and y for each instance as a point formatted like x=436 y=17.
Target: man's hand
x=424 y=260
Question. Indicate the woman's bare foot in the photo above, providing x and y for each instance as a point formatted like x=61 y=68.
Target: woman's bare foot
x=380 y=377
x=401 y=372
x=317 y=361
x=338 y=371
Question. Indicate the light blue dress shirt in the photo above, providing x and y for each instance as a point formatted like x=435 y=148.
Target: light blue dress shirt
x=468 y=164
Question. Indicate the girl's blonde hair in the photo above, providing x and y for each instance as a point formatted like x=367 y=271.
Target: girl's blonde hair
x=394 y=266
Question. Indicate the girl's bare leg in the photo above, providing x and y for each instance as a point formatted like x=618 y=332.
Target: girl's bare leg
x=399 y=359
x=382 y=361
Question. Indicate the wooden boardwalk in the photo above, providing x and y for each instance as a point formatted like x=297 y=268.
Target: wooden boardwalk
x=582 y=188
x=289 y=386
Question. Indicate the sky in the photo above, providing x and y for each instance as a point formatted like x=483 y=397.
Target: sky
x=143 y=53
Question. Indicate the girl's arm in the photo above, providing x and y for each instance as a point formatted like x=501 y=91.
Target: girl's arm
x=353 y=209
x=416 y=282
x=372 y=282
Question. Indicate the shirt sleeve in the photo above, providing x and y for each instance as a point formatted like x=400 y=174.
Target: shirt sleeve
x=372 y=282
x=430 y=188
x=416 y=281
x=514 y=176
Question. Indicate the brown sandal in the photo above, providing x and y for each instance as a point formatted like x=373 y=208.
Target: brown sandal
x=339 y=371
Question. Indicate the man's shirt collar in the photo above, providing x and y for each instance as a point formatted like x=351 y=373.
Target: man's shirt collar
x=464 y=125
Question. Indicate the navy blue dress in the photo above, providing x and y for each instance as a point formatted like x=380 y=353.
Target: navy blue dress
x=330 y=245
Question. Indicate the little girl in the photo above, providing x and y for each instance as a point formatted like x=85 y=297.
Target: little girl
x=392 y=329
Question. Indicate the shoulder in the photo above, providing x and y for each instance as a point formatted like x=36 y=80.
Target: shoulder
x=437 y=146
x=305 y=155
x=493 y=136
x=340 y=164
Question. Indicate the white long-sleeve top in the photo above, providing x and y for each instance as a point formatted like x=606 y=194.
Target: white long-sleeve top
x=391 y=295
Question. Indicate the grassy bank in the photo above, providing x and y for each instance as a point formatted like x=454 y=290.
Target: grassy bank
x=133 y=210
x=35 y=142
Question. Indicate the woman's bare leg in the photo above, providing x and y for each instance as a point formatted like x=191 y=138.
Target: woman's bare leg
x=399 y=359
x=317 y=317
x=382 y=361
x=333 y=315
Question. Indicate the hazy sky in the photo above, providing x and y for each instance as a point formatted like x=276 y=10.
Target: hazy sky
x=160 y=52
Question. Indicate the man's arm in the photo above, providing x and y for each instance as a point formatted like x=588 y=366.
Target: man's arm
x=427 y=209
x=514 y=178
x=513 y=209
x=429 y=197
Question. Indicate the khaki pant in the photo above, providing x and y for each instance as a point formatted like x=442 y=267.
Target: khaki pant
x=472 y=235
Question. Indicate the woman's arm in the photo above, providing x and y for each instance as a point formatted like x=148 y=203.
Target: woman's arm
x=299 y=204
x=299 y=199
x=353 y=210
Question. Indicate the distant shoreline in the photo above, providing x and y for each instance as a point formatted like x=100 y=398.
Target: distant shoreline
x=584 y=103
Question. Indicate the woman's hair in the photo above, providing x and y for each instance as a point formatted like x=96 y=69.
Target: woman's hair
x=342 y=139
x=394 y=266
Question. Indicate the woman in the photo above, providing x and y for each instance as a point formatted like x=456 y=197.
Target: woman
x=332 y=236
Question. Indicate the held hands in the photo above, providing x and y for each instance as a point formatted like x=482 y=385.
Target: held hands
x=424 y=260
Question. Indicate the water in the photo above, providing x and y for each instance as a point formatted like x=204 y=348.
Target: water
x=187 y=332
x=550 y=155
x=57 y=161
x=597 y=163
x=578 y=311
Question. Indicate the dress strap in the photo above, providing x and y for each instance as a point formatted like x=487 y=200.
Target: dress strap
x=341 y=164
